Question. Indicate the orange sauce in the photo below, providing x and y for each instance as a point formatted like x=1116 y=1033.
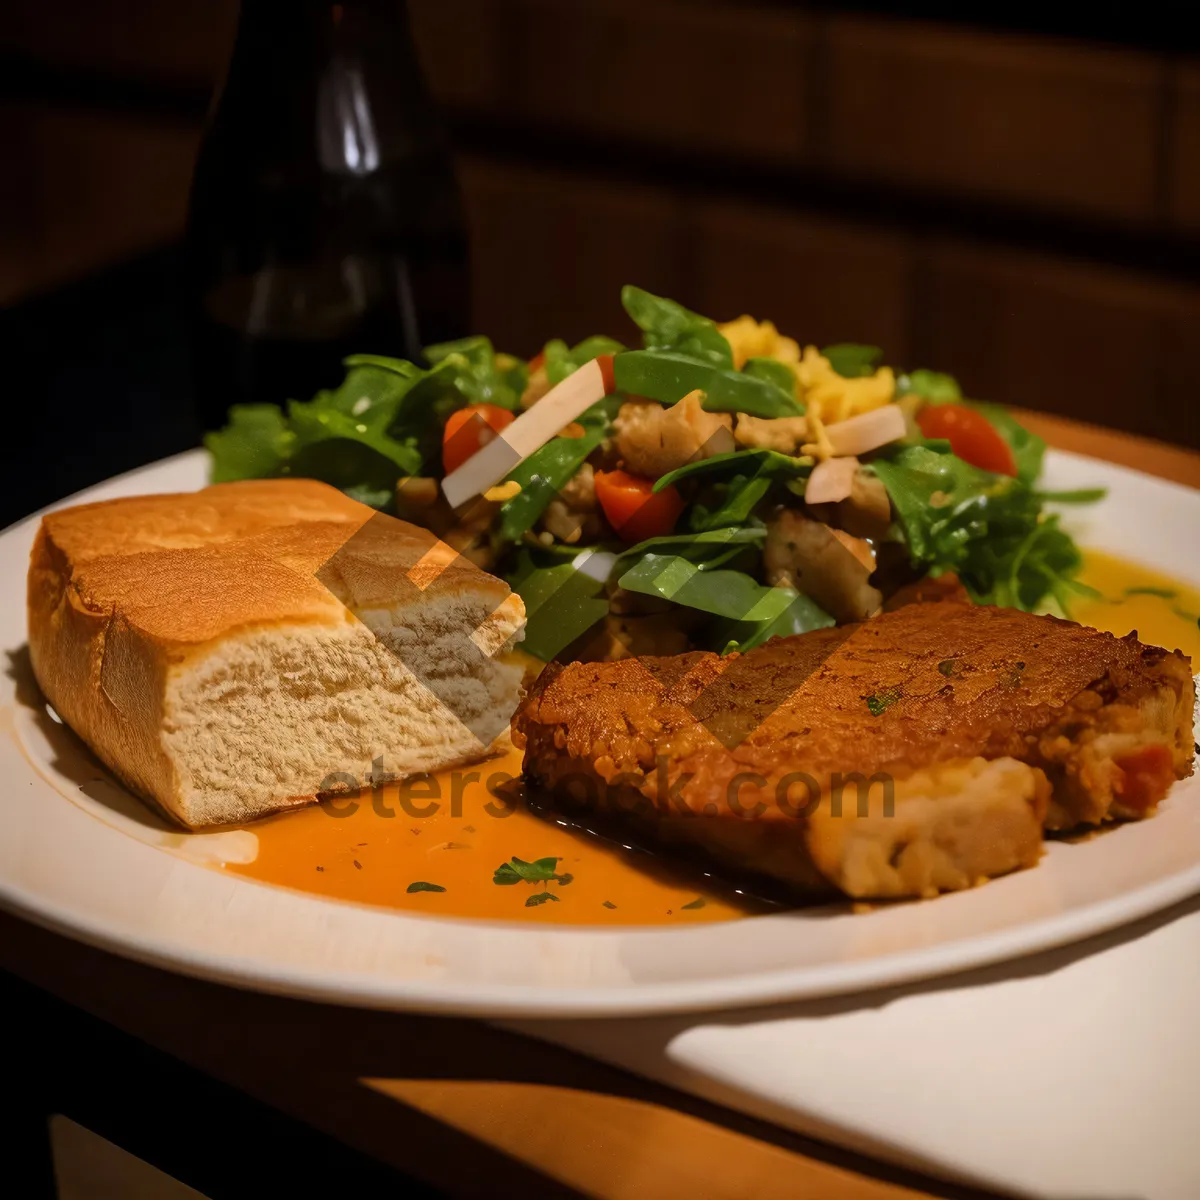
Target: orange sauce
x=371 y=850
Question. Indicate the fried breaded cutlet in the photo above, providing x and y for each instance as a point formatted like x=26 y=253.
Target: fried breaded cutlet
x=922 y=751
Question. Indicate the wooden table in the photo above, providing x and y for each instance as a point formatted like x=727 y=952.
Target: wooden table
x=455 y=1103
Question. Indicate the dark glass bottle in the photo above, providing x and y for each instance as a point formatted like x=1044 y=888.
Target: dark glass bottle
x=325 y=218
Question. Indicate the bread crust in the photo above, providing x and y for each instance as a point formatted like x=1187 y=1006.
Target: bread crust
x=124 y=595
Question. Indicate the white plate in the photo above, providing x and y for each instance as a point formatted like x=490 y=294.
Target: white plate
x=99 y=872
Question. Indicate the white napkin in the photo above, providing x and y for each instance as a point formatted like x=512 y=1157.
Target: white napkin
x=1069 y=1075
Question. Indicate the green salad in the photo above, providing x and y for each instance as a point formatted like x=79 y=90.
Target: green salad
x=730 y=486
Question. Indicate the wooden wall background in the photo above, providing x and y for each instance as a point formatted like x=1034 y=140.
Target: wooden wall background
x=1023 y=211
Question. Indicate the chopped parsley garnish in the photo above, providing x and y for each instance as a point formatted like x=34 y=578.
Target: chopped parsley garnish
x=542 y=870
x=882 y=701
x=1161 y=592
x=947 y=667
x=609 y=904
x=422 y=886
x=699 y=902
x=540 y=898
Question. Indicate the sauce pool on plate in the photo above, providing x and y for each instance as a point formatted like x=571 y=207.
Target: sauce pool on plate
x=450 y=832
x=1162 y=611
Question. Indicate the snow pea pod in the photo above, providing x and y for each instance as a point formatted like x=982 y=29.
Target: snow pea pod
x=666 y=377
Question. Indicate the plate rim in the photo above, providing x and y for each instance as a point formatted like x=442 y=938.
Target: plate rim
x=638 y=999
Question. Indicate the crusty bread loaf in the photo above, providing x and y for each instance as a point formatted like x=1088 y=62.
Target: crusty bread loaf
x=226 y=652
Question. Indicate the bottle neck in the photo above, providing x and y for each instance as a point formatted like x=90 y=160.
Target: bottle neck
x=340 y=81
x=317 y=29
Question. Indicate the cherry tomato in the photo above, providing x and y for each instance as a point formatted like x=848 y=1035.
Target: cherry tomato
x=633 y=509
x=470 y=429
x=606 y=370
x=971 y=436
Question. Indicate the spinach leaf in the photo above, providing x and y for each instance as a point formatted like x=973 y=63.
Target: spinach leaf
x=800 y=616
x=562 y=361
x=351 y=436
x=345 y=437
x=255 y=444
x=668 y=376
x=328 y=440
x=667 y=325
x=365 y=406
x=561 y=602
x=852 y=360
x=773 y=371
x=722 y=593
x=698 y=546
x=473 y=372
x=513 y=373
x=706 y=549
x=397 y=366
x=914 y=476
x=760 y=462
x=549 y=468
x=933 y=385
x=737 y=499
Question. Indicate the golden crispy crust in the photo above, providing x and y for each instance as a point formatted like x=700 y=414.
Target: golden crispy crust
x=188 y=568
x=925 y=685
x=945 y=680
x=222 y=513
